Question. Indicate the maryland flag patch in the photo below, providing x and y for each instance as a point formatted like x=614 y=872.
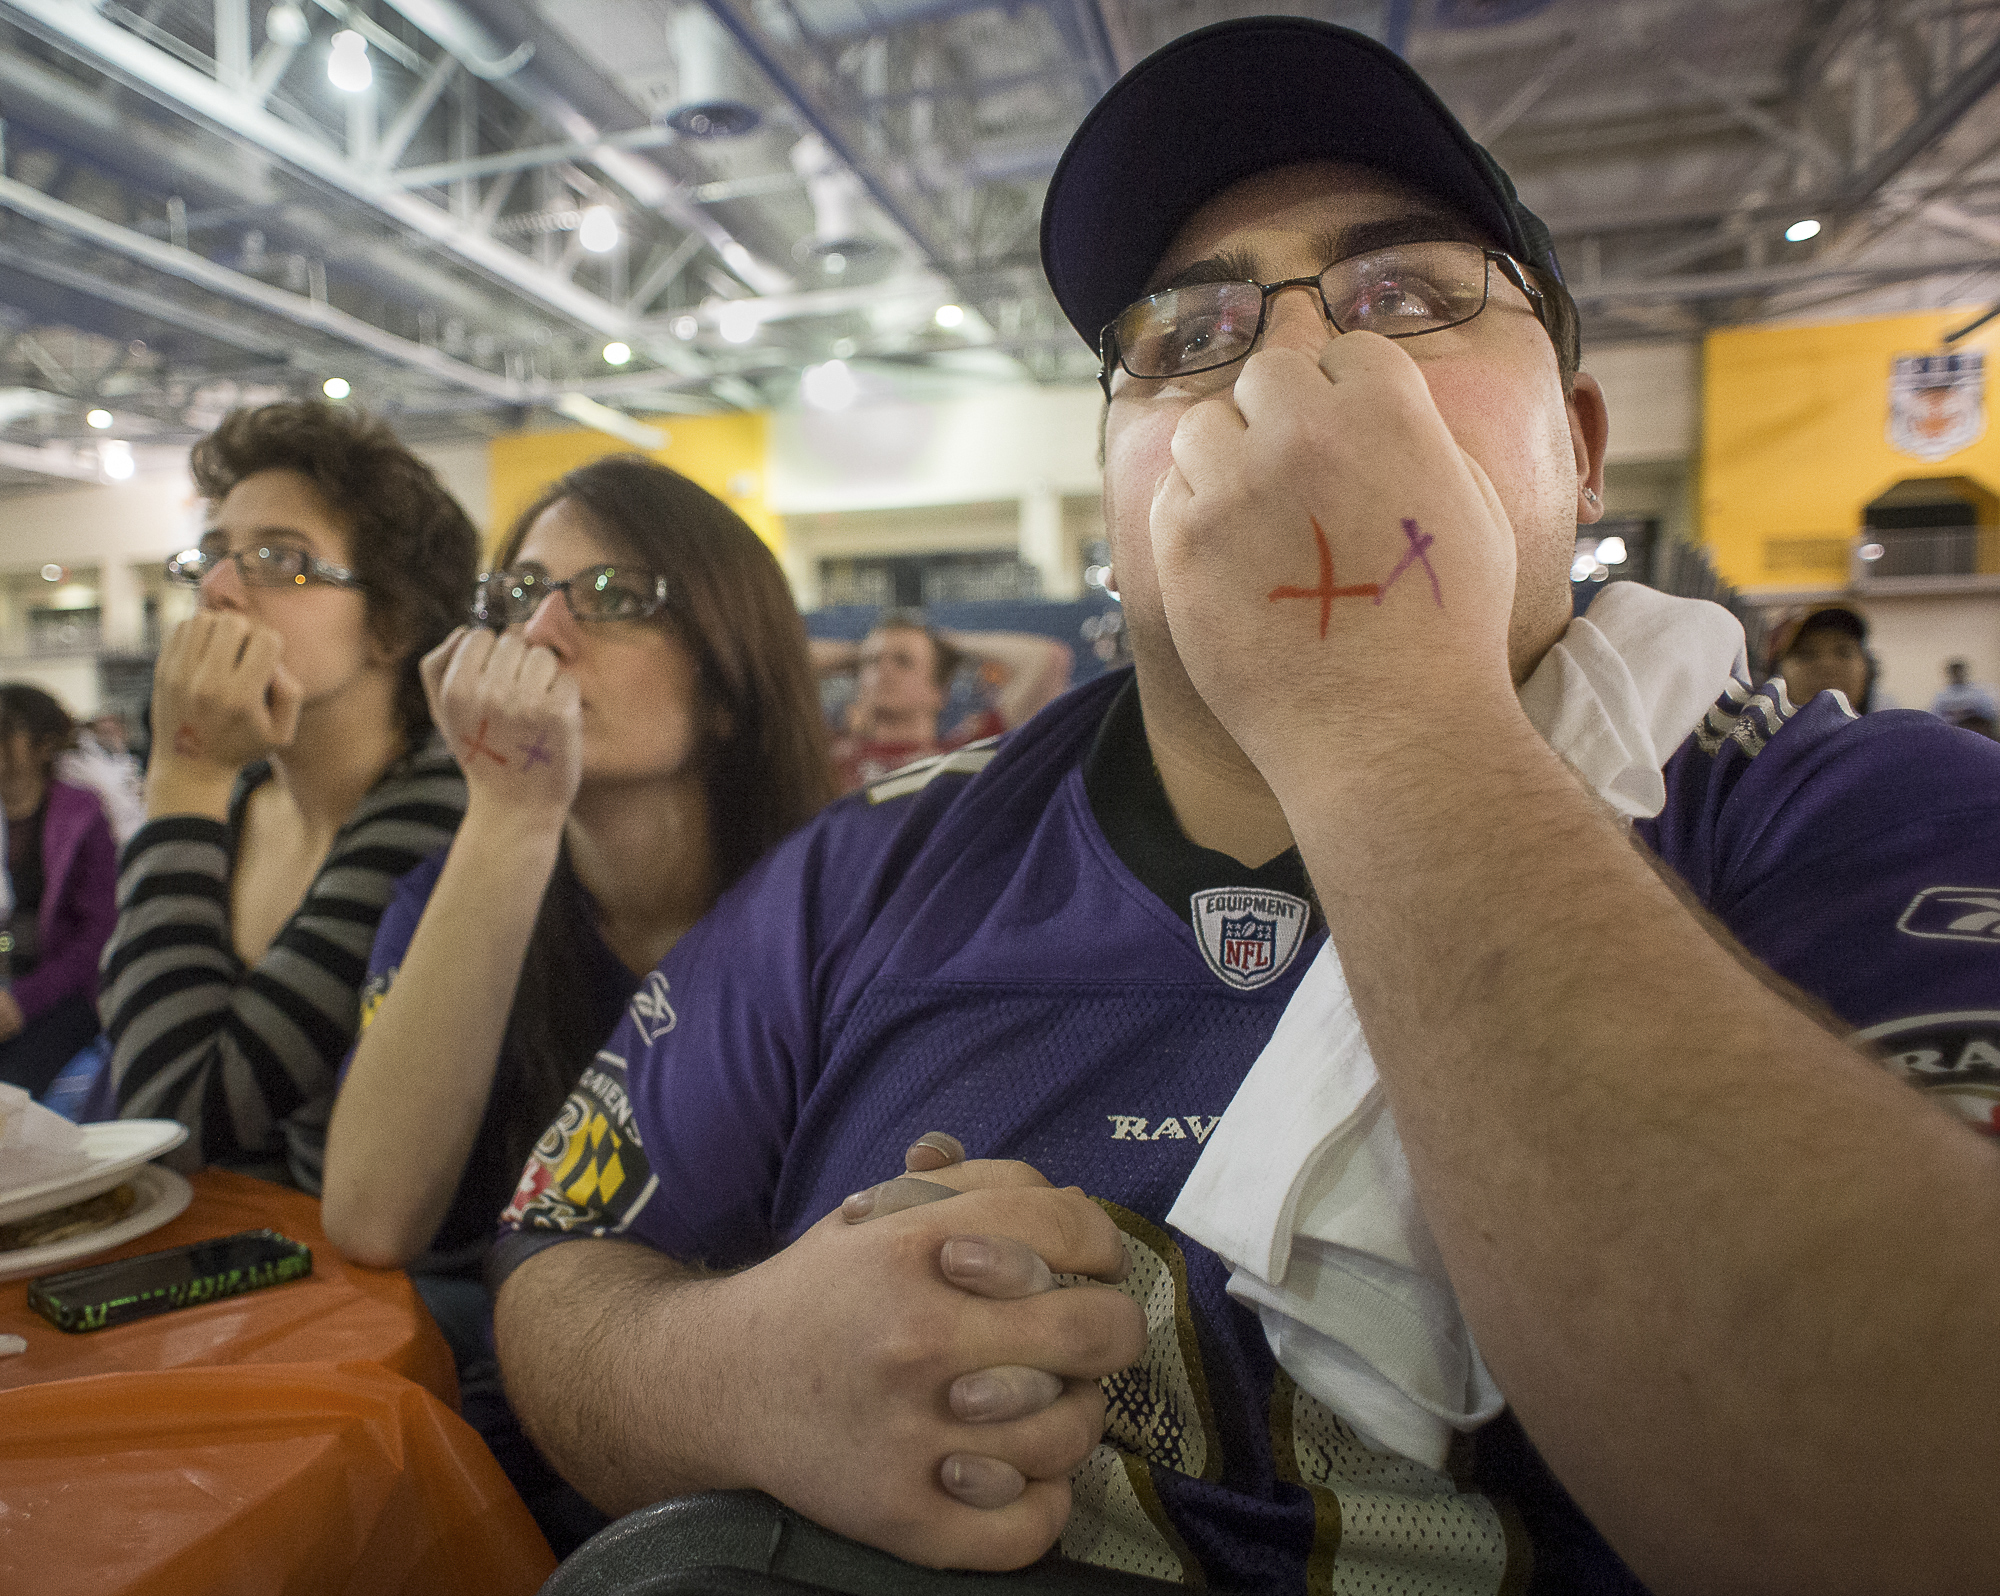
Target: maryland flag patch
x=589 y=1170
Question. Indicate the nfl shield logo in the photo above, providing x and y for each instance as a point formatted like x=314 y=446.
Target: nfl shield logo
x=1249 y=938
x=1937 y=404
x=1249 y=945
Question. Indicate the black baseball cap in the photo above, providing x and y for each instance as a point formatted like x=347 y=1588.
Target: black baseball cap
x=1229 y=101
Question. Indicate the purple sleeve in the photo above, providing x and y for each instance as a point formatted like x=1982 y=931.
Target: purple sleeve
x=1860 y=859
x=675 y=1134
x=82 y=924
x=392 y=939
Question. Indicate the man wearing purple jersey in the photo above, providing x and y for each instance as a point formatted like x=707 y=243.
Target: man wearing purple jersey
x=1731 y=1276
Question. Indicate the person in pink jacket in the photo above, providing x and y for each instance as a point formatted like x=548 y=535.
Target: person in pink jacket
x=64 y=869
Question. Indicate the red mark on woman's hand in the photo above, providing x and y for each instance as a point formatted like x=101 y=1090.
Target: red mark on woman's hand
x=1326 y=592
x=187 y=742
x=1420 y=542
x=479 y=745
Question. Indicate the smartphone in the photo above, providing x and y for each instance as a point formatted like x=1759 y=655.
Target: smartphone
x=105 y=1294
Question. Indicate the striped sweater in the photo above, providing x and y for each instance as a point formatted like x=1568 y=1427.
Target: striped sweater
x=248 y=1056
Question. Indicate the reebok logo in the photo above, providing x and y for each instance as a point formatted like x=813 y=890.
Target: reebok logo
x=1954 y=914
x=1132 y=1128
x=652 y=1014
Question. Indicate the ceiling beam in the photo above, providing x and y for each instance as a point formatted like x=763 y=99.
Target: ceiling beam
x=1931 y=124
x=1770 y=280
x=296 y=308
x=171 y=82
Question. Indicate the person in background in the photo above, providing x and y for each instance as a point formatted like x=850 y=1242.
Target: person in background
x=903 y=674
x=293 y=778
x=1828 y=649
x=64 y=870
x=1963 y=701
x=102 y=762
x=637 y=721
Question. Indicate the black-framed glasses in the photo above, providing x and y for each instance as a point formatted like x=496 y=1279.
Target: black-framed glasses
x=602 y=593
x=264 y=565
x=1401 y=291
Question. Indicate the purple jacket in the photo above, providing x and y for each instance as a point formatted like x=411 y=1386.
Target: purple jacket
x=79 y=900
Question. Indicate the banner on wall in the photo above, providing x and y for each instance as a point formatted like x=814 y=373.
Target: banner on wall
x=1937 y=403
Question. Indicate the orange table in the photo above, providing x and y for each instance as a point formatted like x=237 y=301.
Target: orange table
x=301 y=1439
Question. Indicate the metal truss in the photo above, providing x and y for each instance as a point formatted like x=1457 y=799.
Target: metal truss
x=184 y=193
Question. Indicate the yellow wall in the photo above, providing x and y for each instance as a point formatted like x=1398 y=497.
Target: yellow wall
x=725 y=454
x=1795 y=441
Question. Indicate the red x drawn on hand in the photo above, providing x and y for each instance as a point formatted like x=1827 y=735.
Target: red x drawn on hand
x=1326 y=592
x=479 y=745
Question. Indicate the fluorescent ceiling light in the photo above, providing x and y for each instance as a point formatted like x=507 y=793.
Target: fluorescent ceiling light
x=598 y=230
x=347 y=67
x=829 y=386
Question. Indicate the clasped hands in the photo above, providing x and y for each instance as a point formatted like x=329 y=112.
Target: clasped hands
x=928 y=1389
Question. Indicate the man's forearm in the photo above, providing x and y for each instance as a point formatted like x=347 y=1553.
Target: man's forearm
x=601 y=1346
x=1672 y=1205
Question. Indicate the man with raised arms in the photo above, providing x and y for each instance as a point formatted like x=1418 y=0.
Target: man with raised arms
x=1303 y=996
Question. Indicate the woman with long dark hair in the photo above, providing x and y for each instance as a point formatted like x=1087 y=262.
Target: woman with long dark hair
x=637 y=721
x=64 y=869
x=293 y=779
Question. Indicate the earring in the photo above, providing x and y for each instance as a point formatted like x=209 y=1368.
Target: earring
x=1590 y=496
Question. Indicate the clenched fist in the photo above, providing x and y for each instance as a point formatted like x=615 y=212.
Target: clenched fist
x=513 y=719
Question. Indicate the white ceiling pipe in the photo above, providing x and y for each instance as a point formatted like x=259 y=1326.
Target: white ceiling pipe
x=466 y=37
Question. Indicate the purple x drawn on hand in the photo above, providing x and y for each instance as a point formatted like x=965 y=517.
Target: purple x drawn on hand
x=537 y=752
x=1419 y=542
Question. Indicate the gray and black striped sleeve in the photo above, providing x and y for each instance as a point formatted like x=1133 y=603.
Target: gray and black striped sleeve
x=247 y=1057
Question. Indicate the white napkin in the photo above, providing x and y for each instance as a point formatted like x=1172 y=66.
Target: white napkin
x=1303 y=1189
x=36 y=1143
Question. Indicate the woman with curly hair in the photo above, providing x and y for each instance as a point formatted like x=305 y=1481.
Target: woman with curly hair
x=294 y=777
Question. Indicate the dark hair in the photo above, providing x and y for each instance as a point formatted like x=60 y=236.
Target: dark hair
x=1564 y=324
x=945 y=660
x=41 y=715
x=730 y=606
x=414 y=549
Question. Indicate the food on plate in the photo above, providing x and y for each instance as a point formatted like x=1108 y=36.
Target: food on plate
x=71 y=1221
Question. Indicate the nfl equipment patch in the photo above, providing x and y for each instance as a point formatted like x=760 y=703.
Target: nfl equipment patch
x=589 y=1170
x=1248 y=938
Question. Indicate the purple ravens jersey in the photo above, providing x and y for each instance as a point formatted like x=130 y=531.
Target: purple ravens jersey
x=1016 y=945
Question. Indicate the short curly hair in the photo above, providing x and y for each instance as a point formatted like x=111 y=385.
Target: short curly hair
x=412 y=546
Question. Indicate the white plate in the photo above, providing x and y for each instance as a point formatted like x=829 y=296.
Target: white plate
x=111 y=1149
x=161 y=1194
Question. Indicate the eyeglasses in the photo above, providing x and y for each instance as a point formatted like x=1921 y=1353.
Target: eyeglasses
x=602 y=593
x=267 y=565
x=1401 y=292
